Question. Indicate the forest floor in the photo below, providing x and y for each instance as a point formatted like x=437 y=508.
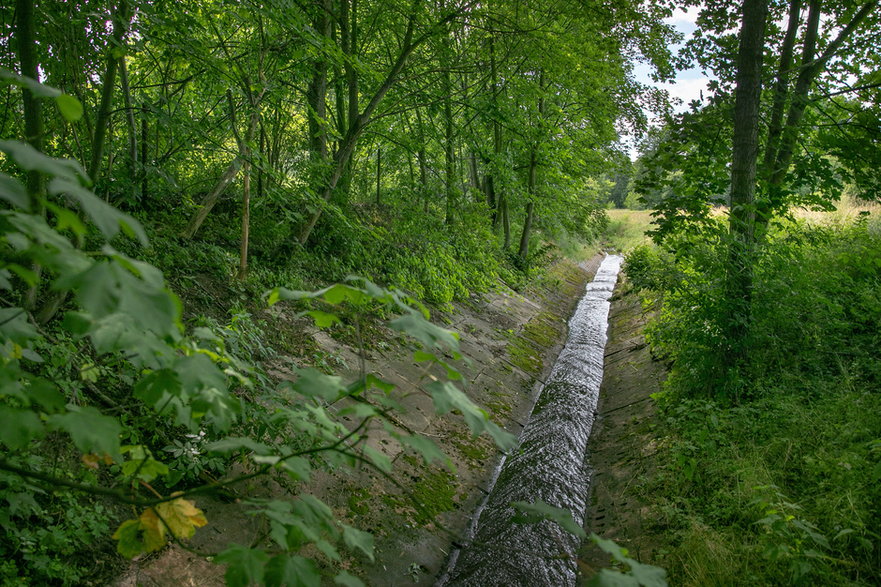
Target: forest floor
x=509 y=340
x=623 y=442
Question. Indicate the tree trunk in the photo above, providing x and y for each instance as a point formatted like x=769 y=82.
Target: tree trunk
x=145 y=138
x=506 y=224
x=523 y=251
x=743 y=177
x=449 y=153
x=33 y=116
x=781 y=87
x=132 y=128
x=342 y=157
x=246 y=221
x=120 y=24
x=475 y=175
x=228 y=176
x=316 y=97
x=378 y=173
x=495 y=199
x=775 y=171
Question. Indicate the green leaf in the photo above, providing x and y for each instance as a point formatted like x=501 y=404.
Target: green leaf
x=28 y=276
x=70 y=107
x=108 y=219
x=297 y=468
x=245 y=566
x=46 y=394
x=426 y=448
x=448 y=397
x=420 y=356
x=323 y=319
x=373 y=381
x=538 y=511
x=36 y=88
x=155 y=387
x=199 y=372
x=348 y=580
x=292 y=571
x=313 y=383
x=90 y=430
x=30 y=159
x=378 y=458
x=130 y=539
x=644 y=575
x=14 y=326
x=13 y=192
x=19 y=427
x=236 y=443
x=356 y=539
x=610 y=578
x=340 y=292
x=432 y=336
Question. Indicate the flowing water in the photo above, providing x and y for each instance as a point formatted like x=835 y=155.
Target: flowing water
x=549 y=464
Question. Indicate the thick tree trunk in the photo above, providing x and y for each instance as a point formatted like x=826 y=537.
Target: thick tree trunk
x=33 y=116
x=743 y=177
x=316 y=97
x=523 y=251
x=781 y=87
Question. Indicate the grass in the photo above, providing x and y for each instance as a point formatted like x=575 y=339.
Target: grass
x=627 y=228
x=782 y=484
x=847 y=210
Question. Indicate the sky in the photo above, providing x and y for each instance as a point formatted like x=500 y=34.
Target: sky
x=689 y=83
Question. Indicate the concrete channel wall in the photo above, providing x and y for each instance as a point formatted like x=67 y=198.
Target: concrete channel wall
x=509 y=341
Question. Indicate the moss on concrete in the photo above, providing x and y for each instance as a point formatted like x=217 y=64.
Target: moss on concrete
x=528 y=347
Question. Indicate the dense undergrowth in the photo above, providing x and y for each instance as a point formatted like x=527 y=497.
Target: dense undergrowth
x=123 y=405
x=123 y=401
x=770 y=474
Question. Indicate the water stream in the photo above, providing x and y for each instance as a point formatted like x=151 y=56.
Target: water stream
x=549 y=464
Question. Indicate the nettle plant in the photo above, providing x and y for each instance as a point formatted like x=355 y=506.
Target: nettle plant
x=147 y=378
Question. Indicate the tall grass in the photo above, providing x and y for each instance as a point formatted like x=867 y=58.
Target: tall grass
x=627 y=228
x=778 y=481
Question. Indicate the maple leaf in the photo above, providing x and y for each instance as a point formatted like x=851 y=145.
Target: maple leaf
x=153 y=530
x=181 y=516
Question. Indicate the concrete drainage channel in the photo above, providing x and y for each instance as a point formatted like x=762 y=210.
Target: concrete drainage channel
x=549 y=464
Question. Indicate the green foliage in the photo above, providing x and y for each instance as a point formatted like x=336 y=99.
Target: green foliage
x=771 y=469
x=46 y=538
x=140 y=376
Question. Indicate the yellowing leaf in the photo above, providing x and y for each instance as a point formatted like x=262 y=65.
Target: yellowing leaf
x=153 y=530
x=93 y=460
x=181 y=516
